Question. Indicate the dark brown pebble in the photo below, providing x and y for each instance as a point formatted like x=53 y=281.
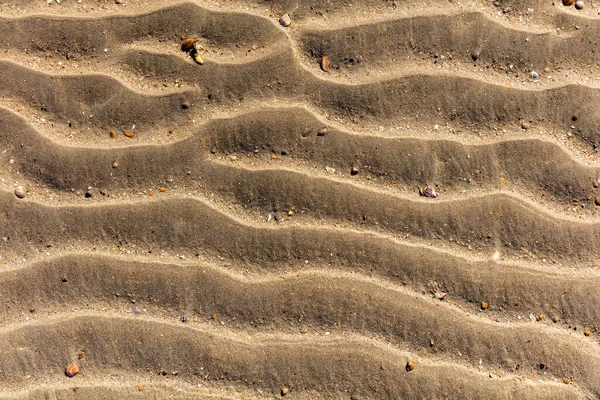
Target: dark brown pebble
x=574 y=118
x=187 y=44
x=185 y=105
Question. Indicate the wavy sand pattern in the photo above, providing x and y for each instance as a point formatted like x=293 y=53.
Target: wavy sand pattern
x=262 y=235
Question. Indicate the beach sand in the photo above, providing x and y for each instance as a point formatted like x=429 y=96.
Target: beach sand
x=263 y=224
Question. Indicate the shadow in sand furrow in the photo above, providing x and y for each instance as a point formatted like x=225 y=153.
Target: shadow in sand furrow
x=494 y=222
x=61 y=34
x=467 y=102
x=89 y=100
x=529 y=164
x=349 y=367
x=464 y=38
x=316 y=299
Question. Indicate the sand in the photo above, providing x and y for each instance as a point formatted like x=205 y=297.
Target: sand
x=261 y=233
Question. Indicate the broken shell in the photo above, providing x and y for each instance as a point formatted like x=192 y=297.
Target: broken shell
x=325 y=64
x=428 y=191
x=129 y=134
x=440 y=295
x=19 y=192
x=285 y=20
x=196 y=56
x=188 y=44
x=71 y=370
x=410 y=365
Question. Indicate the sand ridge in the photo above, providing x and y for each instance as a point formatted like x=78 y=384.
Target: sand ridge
x=262 y=229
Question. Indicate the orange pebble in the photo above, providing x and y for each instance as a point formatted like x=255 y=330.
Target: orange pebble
x=71 y=370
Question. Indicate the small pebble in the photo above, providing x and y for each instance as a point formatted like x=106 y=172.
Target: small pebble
x=410 y=365
x=65 y=279
x=32 y=309
x=285 y=20
x=484 y=305
x=322 y=131
x=354 y=171
x=140 y=388
x=214 y=316
x=579 y=5
x=71 y=370
x=129 y=134
x=112 y=135
x=574 y=118
x=555 y=319
x=184 y=318
x=162 y=190
x=534 y=75
x=597 y=201
x=284 y=390
x=525 y=125
x=325 y=64
x=546 y=70
x=19 y=192
x=566 y=381
x=185 y=105
x=81 y=355
x=428 y=191
x=88 y=195
x=587 y=332
x=187 y=44
x=568 y=2
x=115 y=164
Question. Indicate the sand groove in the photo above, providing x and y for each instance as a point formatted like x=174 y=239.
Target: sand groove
x=235 y=204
